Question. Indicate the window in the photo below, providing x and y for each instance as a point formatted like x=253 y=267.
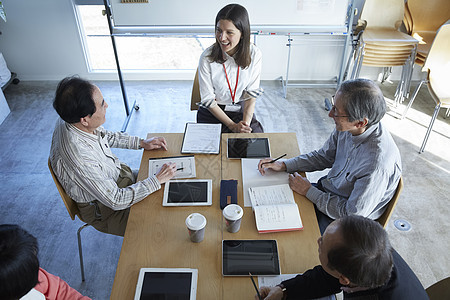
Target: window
x=135 y=52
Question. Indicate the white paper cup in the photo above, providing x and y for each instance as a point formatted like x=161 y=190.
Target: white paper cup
x=196 y=224
x=233 y=215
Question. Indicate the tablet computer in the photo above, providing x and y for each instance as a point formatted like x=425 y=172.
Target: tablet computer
x=189 y=192
x=258 y=257
x=248 y=148
x=162 y=283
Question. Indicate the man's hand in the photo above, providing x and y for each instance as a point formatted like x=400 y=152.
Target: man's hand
x=266 y=163
x=154 y=143
x=270 y=293
x=299 y=184
x=166 y=173
x=241 y=127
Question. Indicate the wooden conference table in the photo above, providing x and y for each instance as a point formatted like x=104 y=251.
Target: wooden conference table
x=156 y=236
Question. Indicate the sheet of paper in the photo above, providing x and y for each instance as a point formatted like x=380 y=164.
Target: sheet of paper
x=187 y=163
x=252 y=178
x=273 y=194
x=201 y=138
x=274 y=280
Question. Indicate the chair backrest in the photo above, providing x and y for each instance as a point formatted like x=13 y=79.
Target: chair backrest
x=407 y=19
x=71 y=206
x=440 y=290
x=195 y=97
x=384 y=218
x=383 y=13
x=428 y=15
x=439 y=55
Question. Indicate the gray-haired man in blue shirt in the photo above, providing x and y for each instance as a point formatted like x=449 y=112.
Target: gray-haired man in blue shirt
x=364 y=160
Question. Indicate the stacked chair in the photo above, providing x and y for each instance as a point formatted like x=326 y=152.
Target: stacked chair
x=437 y=66
x=422 y=20
x=382 y=45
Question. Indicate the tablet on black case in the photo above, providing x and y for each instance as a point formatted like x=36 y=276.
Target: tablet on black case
x=258 y=257
x=248 y=148
x=166 y=283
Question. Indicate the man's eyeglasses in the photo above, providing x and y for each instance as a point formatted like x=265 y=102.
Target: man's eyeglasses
x=333 y=109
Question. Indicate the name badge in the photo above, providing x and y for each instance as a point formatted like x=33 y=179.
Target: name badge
x=232 y=108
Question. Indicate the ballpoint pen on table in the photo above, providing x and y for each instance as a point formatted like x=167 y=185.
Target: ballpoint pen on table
x=254 y=284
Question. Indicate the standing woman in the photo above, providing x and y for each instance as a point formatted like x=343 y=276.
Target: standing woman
x=229 y=74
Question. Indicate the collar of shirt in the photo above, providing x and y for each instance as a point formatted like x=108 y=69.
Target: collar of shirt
x=359 y=139
x=93 y=137
x=97 y=137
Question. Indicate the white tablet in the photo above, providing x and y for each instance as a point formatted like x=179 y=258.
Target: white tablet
x=188 y=192
x=165 y=283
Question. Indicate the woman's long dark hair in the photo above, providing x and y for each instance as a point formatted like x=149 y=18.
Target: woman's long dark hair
x=239 y=16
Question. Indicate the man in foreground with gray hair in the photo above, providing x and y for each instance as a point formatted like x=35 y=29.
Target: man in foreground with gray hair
x=355 y=257
x=364 y=160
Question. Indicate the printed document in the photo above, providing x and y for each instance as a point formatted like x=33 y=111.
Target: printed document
x=201 y=138
x=184 y=164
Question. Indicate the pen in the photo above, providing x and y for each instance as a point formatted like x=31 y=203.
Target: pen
x=274 y=160
x=254 y=284
x=180 y=169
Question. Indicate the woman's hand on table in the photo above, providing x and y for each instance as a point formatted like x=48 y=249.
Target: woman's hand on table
x=241 y=127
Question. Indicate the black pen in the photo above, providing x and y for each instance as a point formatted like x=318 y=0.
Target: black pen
x=274 y=160
x=180 y=169
x=254 y=284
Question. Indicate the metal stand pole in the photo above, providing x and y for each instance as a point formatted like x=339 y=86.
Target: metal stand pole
x=122 y=85
x=351 y=14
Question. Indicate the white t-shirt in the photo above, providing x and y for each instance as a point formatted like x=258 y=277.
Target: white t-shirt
x=213 y=81
x=33 y=295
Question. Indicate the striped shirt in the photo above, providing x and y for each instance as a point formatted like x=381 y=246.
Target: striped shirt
x=365 y=171
x=88 y=170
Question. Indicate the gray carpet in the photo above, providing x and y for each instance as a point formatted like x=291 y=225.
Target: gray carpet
x=29 y=197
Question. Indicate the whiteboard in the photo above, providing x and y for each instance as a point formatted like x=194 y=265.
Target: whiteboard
x=199 y=15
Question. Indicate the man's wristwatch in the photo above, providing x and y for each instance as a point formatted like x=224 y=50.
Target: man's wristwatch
x=140 y=141
x=283 y=289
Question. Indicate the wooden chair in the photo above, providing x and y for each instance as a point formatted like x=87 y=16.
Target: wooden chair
x=384 y=218
x=382 y=45
x=437 y=66
x=440 y=290
x=73 y=211
x=425 y=19
x=195 y=96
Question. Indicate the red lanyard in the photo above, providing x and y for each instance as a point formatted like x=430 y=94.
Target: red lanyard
x=229 y=86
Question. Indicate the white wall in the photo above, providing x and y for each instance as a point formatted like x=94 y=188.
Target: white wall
x=40 y=41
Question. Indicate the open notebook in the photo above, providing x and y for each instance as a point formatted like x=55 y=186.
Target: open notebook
x=275 y=208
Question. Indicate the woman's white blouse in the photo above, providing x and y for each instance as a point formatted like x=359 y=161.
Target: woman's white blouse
x=213 y=82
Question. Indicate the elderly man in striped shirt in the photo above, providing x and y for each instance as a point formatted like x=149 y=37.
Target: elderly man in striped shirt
x=103 y=187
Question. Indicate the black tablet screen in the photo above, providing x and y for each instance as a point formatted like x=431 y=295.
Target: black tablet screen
x=248 y=148
x=188 y=192
x=166 y=286
x=259 y=257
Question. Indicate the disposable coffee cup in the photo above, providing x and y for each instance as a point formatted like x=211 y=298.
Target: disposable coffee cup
x=196 y=224
x=233 y=215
